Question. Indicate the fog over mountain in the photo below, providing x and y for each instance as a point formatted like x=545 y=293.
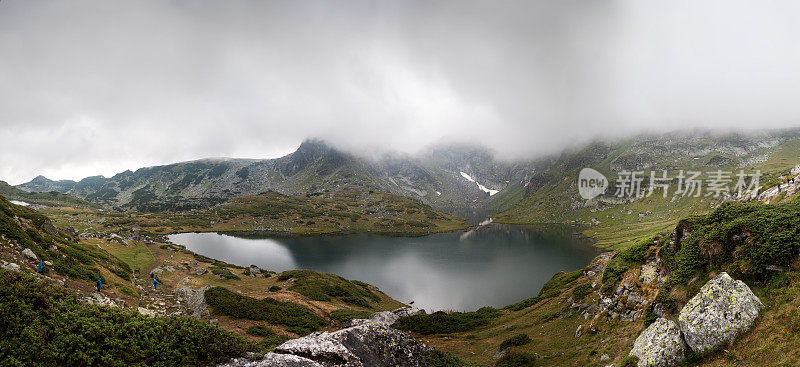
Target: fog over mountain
x=97 y=87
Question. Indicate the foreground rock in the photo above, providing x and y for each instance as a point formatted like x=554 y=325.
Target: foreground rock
x=722 y=310
x=660 y=345
x=371 y=345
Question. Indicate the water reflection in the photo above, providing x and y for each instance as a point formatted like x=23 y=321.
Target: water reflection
x=494 y=265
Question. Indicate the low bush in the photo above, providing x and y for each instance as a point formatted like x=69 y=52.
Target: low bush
x=515 y=341
x=445 y=323
x=322 y=287
x=274 y=288
x=260 y=330
x=44 y=324
x=225 y=273
x=580 y=291
x=517 y=360
x=743 y=239
x=346 y=315
x=298 y=318
x=437 y=358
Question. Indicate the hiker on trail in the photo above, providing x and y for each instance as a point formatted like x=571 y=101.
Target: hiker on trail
x=155 y=283
x=99 y=283
x=40 y=268
x=151 y=275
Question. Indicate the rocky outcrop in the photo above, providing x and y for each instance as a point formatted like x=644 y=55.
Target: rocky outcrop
x=102 y=300
x=660 y=345
x=196 y=305
x=200 y=271
x=9 y=266
x=273 y=360
x=28 y=253
x=387 y=318
x=722 y=310
x=371 y=345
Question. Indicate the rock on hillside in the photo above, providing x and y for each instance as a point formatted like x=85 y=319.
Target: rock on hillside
x=660 y=345
x=195 y=300
x=370 y=345
x=722 y=310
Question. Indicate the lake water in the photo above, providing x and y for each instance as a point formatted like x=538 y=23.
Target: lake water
x=495 y=265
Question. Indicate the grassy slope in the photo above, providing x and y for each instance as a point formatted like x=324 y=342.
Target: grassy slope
x=52 y=198
x=340 y=212
x=107 y=256
x=551 y=323
x=620 y=224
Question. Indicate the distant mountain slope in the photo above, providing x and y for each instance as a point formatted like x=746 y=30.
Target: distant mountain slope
x=551 y=195
x=434 y=178
x=49 y=198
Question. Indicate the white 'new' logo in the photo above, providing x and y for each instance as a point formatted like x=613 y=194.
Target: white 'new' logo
x=591 y=183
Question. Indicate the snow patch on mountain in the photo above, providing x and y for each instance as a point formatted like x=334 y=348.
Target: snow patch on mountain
x=483 y=188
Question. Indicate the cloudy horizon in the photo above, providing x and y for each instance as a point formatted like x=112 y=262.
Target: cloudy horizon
x=93 y=87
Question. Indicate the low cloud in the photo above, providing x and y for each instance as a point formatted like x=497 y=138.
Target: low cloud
x=97 y=87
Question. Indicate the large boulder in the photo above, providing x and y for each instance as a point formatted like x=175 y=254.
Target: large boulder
x=660 y=345
x=195 y=300
x=371 y=345
x=722 y=310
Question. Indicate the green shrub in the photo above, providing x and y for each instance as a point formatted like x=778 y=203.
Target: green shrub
x=637 y=252
x=298 y=318
x=260 y=330
x=515 y=341
x=445 y=323
x=225 y=273
x=346 y=315
x=322 y=287
x=580 y=291
x=437 y=358
x=741 y=238
x=274 y=288
x=41 y=323
x=630 y=361
x=613 y=273
x=516 y=360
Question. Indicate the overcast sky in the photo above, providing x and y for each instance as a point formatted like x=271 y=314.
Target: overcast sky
x=97 y=87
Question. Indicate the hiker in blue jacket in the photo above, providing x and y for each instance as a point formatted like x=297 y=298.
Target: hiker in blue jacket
x=155 y=283
x=99 y=283
x=40 y=268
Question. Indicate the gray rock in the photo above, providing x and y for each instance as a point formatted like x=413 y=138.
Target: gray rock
x=100 y=300
x=722 y=310
x=273 y=360
x=579 y=331
x=408 y=311
x=370 y=345
x=28 y=253
x=649 y=272
x=387 y=318
x=10 y=266
x=500 y=354
x=196 y=305
x=255 y=269
x=200 y=271
x=660 y=345
x=146 y=312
